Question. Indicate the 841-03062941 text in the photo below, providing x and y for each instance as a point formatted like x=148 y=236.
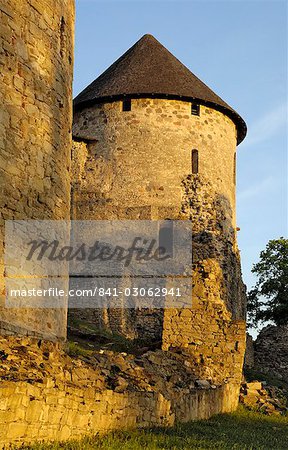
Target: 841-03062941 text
x=138 y=292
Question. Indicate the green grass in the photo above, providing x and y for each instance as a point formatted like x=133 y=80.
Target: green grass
x=87 y=336
x=76 y=349
x=242 y=430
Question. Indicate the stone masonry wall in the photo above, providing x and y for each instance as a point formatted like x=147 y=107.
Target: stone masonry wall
x=213 y=330
x=36 y=60
x=136 y=160
x=249 y=359
x=46 y=395
x=271 y=351
x=134 y=165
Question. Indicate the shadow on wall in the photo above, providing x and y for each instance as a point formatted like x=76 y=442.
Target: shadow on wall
x=213 y=240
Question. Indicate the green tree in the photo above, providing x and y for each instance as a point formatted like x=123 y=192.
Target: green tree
x=268 y=299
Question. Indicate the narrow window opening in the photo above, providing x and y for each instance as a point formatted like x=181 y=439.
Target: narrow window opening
x=126 y=104
x=166 y=238
x=195 y=109
x=234 y=169
x=195 y=161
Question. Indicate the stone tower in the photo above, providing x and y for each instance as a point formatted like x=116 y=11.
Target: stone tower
x=36 y=60
x=152 y=141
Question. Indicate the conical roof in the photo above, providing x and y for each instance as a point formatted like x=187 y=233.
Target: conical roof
x=148 y=69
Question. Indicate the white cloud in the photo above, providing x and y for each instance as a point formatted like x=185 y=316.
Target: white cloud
x=266 y=185
x=267 y=126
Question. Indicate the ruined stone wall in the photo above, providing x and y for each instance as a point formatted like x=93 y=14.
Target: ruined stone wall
x=249 y=359
x=213 y=330
x=134 y=165
x=271 y=351
x=66 y=398
x=31 y=413
x=36 y=59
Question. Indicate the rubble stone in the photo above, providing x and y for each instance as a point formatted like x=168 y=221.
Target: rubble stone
x=47 y=405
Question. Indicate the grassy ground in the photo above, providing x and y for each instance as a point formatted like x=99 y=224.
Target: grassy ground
x=84 y=338
x=241 y=430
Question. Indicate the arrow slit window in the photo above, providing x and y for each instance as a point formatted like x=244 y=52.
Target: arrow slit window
x=195 y=161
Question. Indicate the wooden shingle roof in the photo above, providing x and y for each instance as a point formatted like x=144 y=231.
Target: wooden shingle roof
x=148 y=69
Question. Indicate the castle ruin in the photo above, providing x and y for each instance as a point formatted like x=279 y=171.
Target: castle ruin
x=151 y=141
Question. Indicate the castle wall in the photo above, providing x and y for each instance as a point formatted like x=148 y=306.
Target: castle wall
x=34 y=414
x=67 y=398
x=213 y=331
x=137 y=160
x=249 y=359
x=135 y=165
x=36 y=61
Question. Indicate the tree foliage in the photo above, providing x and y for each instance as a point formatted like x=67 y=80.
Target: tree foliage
x=268 y=299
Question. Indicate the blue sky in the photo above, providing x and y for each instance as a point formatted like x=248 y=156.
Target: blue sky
x=238 y=48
